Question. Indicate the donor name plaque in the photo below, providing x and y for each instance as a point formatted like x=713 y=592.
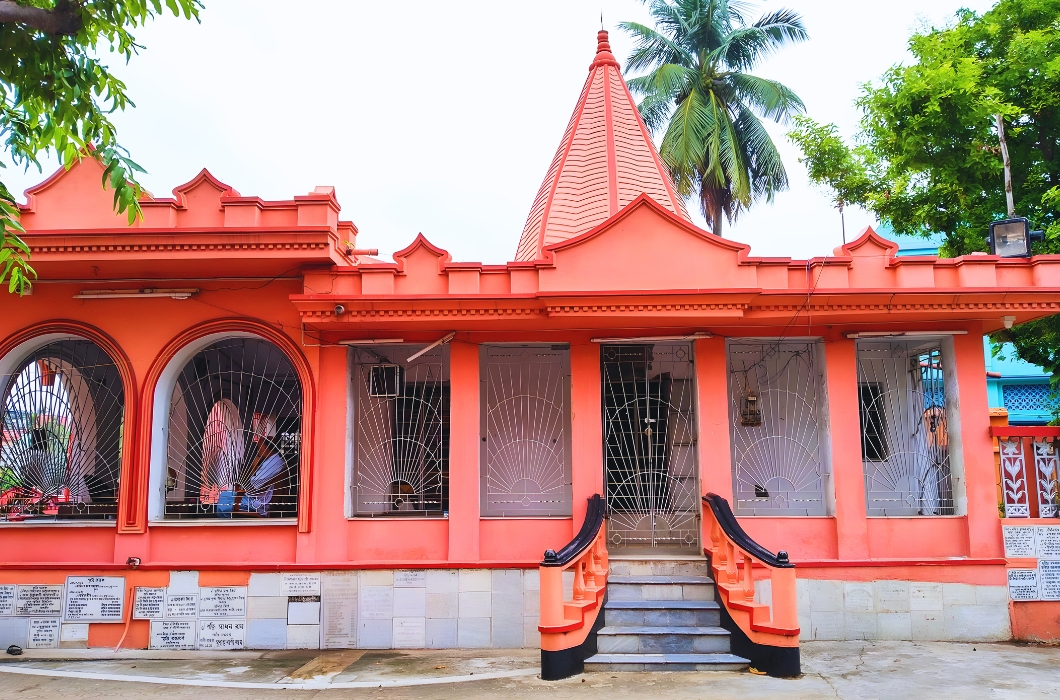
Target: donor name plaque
x=7 y=599
x=1019 y=541
x=37 y=599
x=222 y=601
x=1023 y=584
x=222 y=634
x=149 y=604
x=172 y=634
x=94 y=598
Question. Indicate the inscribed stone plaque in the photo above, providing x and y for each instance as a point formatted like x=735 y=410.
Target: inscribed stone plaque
x=74 y=632
x=339 y=610
x=1019 y=541
x=222 y=634
x=7 y=599
x=300 y=584
x=410 y=633
x=1023 y=584
x=43 y=633
x=94 y=598
x=172 y=634
x=377 y=602
x=149 y=603
x=410 y=578
x=1049 y=579
x=1048 y=541
x=181 y=606
x=222 y=601
x=36 y=599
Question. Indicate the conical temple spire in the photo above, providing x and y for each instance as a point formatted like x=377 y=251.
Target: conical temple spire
x=605 y=160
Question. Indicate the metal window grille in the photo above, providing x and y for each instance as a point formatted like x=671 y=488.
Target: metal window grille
x=526 y=430
x=776 y=463
x=650 y=446
x=234 y=441
x=1029 y=397
x=61 y=425
x=904 y=436
x=401 y=431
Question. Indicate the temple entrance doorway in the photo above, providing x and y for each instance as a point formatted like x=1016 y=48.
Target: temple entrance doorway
x=650 y=470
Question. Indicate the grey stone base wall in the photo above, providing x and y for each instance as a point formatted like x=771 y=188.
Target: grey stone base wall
x=898 y=610
x=393 y=609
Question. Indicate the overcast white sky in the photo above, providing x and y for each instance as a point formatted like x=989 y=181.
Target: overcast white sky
x=442 y=117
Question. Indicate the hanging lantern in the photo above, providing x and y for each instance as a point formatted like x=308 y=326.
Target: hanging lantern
x=750 y=409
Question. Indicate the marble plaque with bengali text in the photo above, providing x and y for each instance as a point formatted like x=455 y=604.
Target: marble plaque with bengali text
x=410 y=578
x=94 y=598
x=376 y=603
x=38 y=599
x=1023 y=584
x=222 y=634
x=338 y=602
x=1049 y=579
x=7 y=599
x=181 y=606
x=222 y=601
x=1048 y=538
x=1019 y=540
x=43 y=633
x=410 y=633
x=173 y=634
x=300 y=584
x=149 y=603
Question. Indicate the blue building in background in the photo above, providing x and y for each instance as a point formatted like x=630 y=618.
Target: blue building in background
x=1020 y=387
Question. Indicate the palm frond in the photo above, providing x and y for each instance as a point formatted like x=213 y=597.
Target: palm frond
x=769 y=98
x=651 y=48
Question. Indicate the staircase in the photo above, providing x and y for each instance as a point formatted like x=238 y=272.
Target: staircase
x=661 y=615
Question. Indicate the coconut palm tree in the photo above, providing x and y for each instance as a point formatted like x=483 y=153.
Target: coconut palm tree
x=698 y=88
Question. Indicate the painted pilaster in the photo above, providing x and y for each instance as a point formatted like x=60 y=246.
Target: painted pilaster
x=977 y=449
x=463 y=451
x=713 y=441
x=844 y=427
x=587 y=442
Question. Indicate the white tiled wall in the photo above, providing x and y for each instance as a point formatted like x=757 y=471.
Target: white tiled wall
x=383 y=609
x=899 y=610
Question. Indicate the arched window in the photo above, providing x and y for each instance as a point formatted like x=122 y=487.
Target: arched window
x=61 y=422
x=234 y=434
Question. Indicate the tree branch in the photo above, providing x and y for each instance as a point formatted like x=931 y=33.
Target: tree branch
x=62 y=20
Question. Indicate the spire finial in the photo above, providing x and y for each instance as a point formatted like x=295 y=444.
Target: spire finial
x=601 y=20
x=603 y=51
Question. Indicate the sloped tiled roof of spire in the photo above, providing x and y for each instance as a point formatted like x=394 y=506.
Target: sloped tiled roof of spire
x=605 y=160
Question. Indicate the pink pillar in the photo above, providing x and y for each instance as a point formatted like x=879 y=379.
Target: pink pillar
x=587 y=440
x=844 y=424
x=984 y=533
x=327 y=541
x=463 y=451
x=715 y=451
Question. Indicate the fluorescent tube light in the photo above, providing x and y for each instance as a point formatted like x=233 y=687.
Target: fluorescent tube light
x=135 y=293
x=653 y=338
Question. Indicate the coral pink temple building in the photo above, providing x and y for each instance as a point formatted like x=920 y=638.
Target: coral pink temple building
x=227 y=425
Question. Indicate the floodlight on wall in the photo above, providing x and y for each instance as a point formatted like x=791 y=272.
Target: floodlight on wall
x=135 y=293
x=1012 y=238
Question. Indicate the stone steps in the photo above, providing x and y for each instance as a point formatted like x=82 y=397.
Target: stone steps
x=662 y=616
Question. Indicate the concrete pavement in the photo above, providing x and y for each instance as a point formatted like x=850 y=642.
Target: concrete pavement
x=847 y=670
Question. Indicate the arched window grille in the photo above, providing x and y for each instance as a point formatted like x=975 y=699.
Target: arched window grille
x=774 y=406
x=401 y=431
x=61 y=424
x=904 y=427
x=234 y=441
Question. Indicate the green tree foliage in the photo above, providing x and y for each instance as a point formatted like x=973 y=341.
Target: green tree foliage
x=929 y=149
x=56 y=95
x=698 y=89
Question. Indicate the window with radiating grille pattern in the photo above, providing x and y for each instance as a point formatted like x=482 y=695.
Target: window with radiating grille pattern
x=234 y=434
x=904 y=427
x=525 y=430
x=61 y=427
x=401 y=431
x=777 y=453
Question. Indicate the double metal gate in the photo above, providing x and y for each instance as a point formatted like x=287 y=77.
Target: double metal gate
x=650 y=446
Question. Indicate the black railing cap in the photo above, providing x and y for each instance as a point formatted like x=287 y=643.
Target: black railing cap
x=594 y=520
x=723 y=513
